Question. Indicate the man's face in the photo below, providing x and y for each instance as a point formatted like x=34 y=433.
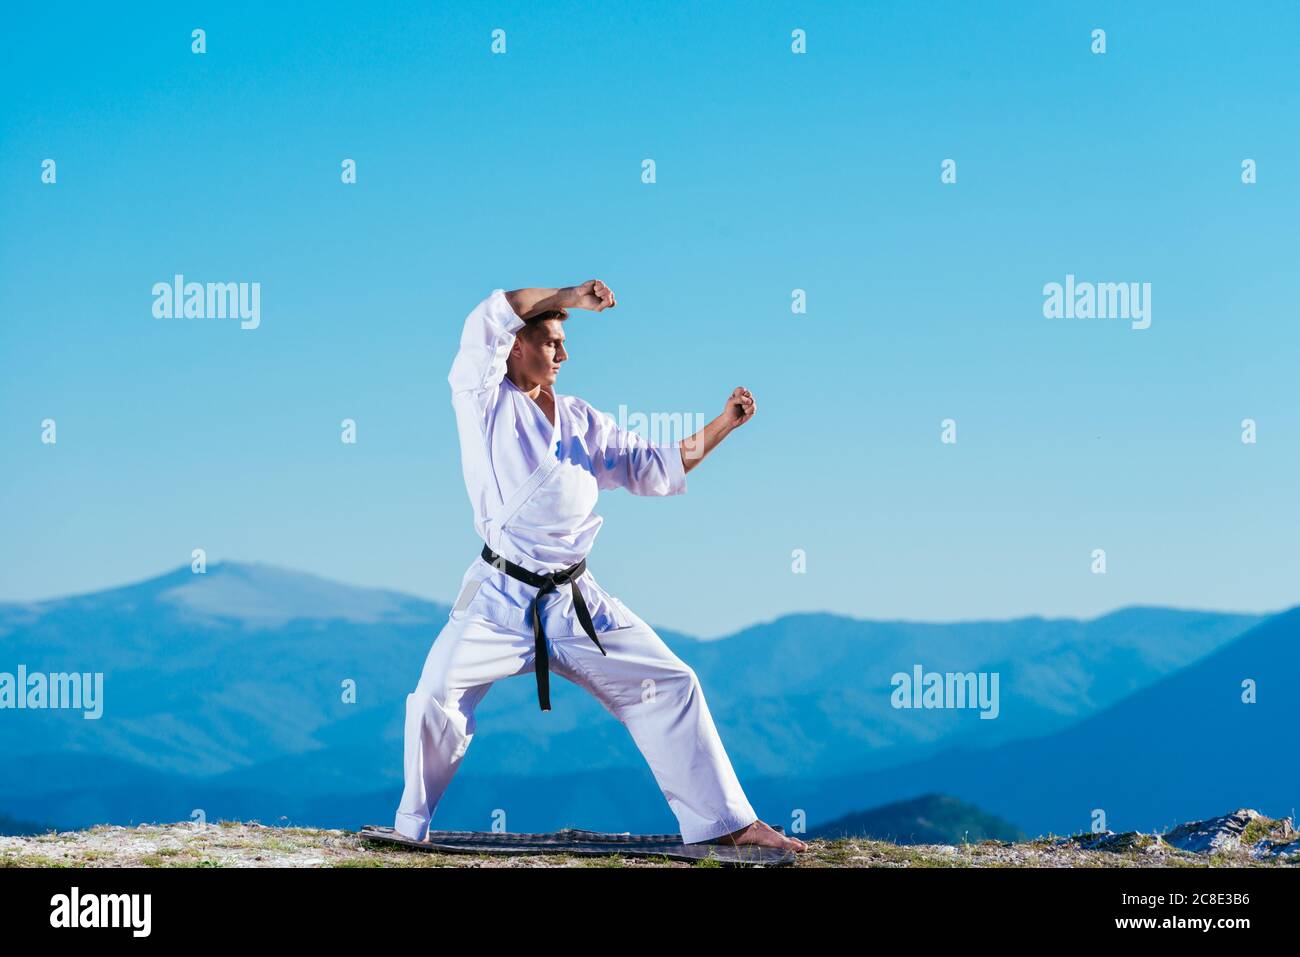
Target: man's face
x=542 y=351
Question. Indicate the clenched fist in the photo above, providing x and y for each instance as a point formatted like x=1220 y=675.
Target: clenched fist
x=592 y=294
x=740 y=407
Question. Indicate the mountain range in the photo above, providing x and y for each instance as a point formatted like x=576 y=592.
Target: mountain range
x=228 y=692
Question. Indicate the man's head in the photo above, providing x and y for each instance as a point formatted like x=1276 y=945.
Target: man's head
x=538 y=350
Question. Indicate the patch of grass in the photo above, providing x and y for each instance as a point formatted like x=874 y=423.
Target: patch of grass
x=1224 y=859
x=275 y=844
x=940 y=860
x=312 y=833
x=31 y=860
x=1258 y=829
x=237 y=843
x=832 y=852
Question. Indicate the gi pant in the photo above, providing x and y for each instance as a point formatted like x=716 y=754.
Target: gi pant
x=655 y=695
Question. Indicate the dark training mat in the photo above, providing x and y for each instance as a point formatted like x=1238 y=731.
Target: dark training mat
x=574 y=841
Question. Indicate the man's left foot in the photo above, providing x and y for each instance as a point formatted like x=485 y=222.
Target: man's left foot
x=762 y=835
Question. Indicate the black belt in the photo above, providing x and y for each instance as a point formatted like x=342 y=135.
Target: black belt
x=544 y=585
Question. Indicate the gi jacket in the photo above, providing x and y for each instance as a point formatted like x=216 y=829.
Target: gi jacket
x=533 y=484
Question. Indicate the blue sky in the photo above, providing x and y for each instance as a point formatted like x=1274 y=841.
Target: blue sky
x=775 y=171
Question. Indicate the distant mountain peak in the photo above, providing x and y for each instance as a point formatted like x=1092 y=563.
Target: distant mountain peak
x=928 y=819
x=268 y=596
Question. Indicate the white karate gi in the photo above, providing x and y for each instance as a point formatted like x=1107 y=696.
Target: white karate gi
x=533 y=485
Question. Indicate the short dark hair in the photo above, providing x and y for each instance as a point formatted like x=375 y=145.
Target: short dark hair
x=532 y=322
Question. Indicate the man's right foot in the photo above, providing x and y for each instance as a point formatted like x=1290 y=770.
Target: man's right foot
x=762 y=835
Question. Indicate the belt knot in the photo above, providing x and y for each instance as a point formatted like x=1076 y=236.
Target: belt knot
x=545 y=584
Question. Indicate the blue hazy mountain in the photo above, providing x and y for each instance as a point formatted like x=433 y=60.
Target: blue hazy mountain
x=10 y=827
x=231 y=684
x=928 y=819
x=1184 y=748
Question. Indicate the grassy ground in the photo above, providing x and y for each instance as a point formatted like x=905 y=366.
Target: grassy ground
x=237 y=844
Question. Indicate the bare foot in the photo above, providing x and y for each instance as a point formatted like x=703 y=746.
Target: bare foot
x=760 y=833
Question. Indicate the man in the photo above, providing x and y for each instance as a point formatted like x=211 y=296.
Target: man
x=534 y=461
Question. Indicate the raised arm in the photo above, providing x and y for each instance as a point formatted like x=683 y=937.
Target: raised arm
x=739 y=409
x=592 y=294
x=490 y=328
x=485 y=341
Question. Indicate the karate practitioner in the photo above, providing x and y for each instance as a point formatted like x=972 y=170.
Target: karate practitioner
x=534 y=461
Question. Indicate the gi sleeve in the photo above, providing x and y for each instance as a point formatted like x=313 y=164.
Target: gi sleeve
x=623 y=459
x=485 y=342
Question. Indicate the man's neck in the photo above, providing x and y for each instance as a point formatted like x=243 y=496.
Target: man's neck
x=531 y=391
